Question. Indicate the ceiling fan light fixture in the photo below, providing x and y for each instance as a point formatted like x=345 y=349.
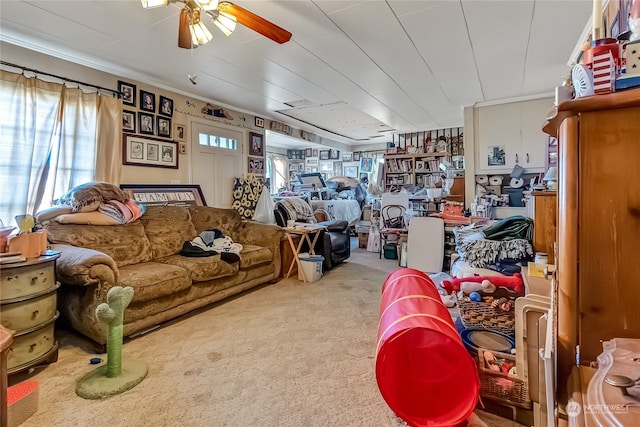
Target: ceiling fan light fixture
x=150 y=4
x=225 y=22
x=208 y=4
x=200 y=34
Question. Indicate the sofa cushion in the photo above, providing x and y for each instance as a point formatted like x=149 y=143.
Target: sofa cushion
x=253 y=255
x=167 y=228
x=127 y=244
x=208 y=218
x=151 y=280
x=202 y=269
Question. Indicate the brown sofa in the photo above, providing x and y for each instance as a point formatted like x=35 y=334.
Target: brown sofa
x=145 y=255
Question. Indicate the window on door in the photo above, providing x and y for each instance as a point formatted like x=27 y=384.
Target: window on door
x=217 y=141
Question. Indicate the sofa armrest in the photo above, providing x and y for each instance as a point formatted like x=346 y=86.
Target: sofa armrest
x=267 y=236
x=335 y=225
x=82 y=266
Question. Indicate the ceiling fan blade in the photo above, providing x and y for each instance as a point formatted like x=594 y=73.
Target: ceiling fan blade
x=184 y=35
x=255 y=22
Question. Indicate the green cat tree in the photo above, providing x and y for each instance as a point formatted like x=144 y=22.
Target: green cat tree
x=117 y=375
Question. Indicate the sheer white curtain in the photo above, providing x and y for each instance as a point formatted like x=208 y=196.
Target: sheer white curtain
x=48 y=139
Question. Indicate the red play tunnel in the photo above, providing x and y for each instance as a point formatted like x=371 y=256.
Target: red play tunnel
x=424 y=372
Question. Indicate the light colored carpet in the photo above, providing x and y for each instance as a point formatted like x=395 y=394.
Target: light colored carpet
x=288 y=354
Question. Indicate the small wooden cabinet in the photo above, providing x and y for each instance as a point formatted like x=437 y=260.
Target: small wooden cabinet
x=28 y=300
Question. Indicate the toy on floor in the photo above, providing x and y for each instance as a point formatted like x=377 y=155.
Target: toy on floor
x=511 y=282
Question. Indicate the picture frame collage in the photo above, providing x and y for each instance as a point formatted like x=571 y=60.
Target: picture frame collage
x=330 y=162
x=255 y=160
x=151 y=116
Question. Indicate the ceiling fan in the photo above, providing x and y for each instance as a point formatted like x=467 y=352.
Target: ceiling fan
x=192 y=32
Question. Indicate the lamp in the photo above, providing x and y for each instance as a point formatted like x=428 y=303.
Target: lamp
x=225 y=22
x=149 y=4
x=551 y=178
x=200 y=34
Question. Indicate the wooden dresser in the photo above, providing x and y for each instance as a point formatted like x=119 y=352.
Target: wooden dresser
x=598 y=273
x=28 y=303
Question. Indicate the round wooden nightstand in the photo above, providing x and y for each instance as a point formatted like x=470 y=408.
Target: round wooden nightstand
x=28 y=297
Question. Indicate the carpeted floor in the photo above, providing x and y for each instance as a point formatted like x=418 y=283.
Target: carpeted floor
x=288 y=354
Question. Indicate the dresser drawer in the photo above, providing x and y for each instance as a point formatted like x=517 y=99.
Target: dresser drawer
x=27 y=280
x=28 y=313
x=31 y=344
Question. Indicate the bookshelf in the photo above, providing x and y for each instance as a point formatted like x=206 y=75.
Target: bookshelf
x=421 y=169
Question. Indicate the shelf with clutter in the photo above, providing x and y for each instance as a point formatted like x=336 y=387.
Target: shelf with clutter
x=423 y=160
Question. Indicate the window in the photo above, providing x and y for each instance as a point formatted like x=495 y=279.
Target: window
x=217 y=141
x=276 y=172
x=48 y=135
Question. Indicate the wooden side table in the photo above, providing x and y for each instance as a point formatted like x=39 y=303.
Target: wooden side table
x=28 y=297
x=308 y=233
x=287 y=255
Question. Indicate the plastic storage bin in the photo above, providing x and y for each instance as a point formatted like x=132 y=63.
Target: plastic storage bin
x=312 y=266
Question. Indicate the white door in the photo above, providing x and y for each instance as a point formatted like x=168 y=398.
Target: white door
x=216 y=159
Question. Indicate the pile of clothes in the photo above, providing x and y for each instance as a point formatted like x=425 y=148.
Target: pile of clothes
x=503 y=246
x=296 y=209
x=212 y=242
x=93 y=203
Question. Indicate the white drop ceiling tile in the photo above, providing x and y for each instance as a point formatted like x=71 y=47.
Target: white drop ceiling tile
x=306 y=20
x=550 y=51
x=441 y=38
x=500 y=33
x=279 y=75
x=35 y=20
x=390 y=50
x=403 y=8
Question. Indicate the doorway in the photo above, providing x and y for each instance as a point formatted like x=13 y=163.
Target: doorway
x=217 y=155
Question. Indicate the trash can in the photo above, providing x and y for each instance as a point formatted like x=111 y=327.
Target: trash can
x=312 y=266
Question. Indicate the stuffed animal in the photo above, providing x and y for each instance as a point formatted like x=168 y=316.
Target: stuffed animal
x=486 y=287
x=512 y=282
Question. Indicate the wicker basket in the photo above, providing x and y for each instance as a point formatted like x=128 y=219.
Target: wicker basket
x=483 y=315
x=500 y=386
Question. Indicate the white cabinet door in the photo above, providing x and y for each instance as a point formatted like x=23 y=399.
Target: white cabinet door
x=534 y=141
x=498 y=141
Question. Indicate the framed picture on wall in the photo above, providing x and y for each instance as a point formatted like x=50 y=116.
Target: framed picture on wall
x=184 y=195
x=314 y=153
x=347 y=157
x=334 y=154
x=326 y=167
x=324 y=154
x=351 y=171
x=127 y=92
x=128 y=121
x=146 y=151
x=356 y=156
x=366 y=164
x=164 y=126
x=179 y=132
x=146 y=124
x=147 y=101
x=308 y=152
x=256 y=144
x=166 y=106
x=256 y=165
